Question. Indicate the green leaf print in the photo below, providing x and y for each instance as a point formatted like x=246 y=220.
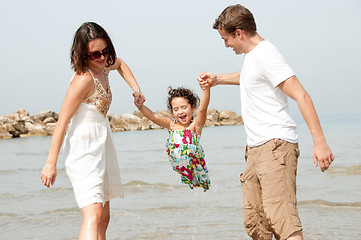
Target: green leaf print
x=184 y=152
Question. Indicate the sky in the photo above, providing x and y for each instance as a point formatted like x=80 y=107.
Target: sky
x=169 y=43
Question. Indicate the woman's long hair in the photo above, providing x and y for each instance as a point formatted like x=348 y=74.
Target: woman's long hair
x=79 y=51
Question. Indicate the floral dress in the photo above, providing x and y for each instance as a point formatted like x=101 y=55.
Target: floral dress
x=187 y=158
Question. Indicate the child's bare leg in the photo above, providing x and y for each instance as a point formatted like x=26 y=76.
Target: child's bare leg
x=92 y=215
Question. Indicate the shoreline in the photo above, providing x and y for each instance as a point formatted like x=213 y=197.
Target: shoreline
x=21 y=124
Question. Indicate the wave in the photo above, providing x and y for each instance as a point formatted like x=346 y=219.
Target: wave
x=319 y=202
x=139 y=184
x=7 y=195
x=11 y=215
x=352 y=170
x=167 y=208
x=140 y=150
x=18 y=197
x=22 y=170
x=31 y=153
x=185 y=208
x=64 y=210
x=6 y=172
x=62 y=189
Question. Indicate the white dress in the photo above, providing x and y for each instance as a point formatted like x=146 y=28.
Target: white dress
x=90 y=158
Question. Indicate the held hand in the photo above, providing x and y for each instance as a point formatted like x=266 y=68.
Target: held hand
x=48 y=175
x=139 y=99
x=322 y=156
x=207 y=79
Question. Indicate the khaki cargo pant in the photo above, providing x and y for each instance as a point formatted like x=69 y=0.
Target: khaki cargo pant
x=269 y=190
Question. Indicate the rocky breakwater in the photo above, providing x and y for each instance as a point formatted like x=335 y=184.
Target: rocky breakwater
x=136 y=121
x=20 y=124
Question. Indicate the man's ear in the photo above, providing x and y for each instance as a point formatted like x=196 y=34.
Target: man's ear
x=239 y=33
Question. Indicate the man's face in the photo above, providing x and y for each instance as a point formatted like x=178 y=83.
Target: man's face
x=231 y=41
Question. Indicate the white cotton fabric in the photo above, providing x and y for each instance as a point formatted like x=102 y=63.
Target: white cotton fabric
x=90 y=158
x=264 y=106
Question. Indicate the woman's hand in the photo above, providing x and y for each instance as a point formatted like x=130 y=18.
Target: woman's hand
x=48 y=174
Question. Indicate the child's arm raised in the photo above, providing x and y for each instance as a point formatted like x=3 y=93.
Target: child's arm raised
x=157 y=119
x=202 y=110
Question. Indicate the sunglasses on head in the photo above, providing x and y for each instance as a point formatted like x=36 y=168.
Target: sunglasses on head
x=97 y=54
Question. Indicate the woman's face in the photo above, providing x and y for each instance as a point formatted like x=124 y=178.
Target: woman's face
x=182 y=111
x=97 y=53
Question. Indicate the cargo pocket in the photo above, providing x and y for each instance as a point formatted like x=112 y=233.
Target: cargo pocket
x=278 y=151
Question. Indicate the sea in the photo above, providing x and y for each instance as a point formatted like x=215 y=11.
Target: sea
x=158 y=206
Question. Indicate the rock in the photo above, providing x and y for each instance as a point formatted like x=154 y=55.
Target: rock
x=4 y=133
x=146 y=124
x=133 y=122
x=137 y=113
x=117 y=124
x=46 y=114
x=14 y=125
x=22 y=113
x=229 y=118
x=36 y=129
x=212 y=118
x=165 y=114
x=9 y=128
x=50 y=128
x=20 y=124
x=20 y=127
x=49 y=120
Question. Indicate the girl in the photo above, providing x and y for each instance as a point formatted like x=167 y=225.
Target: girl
x=184 y=150
x=90 y=158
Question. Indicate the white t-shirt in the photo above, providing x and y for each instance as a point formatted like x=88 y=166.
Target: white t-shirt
x=264 y=105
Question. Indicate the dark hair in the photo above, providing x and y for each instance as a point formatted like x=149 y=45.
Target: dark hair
x=236 y=17
x=191 y=97
x=79 y=51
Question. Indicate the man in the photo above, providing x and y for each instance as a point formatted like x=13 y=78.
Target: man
x=266 y=80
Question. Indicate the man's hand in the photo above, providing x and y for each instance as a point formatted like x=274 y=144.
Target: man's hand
x=322 y=156
x=207 y=79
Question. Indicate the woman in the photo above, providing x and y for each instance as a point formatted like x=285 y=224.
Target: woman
x=90 y=158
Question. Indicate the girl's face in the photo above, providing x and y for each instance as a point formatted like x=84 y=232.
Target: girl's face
x=182 y=111
x=97 y=53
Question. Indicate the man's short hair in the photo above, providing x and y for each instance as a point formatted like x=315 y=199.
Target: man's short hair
x=236 y=17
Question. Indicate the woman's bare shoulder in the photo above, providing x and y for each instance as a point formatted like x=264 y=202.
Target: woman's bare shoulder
x=82 y=79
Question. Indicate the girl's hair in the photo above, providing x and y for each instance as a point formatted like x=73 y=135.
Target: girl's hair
x=79 y=51
x=190 y=96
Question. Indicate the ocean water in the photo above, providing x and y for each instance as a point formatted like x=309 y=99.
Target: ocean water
x=158 y=206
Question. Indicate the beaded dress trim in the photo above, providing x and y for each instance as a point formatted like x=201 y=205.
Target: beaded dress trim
x=100 y=98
